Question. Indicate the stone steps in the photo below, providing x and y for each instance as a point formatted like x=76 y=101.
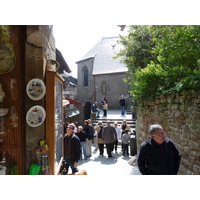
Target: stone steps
x=130 y=122
x=128 y=109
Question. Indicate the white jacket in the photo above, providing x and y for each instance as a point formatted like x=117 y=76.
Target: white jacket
x=119 y=132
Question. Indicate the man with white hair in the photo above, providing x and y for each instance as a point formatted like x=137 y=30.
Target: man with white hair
x=158 y=155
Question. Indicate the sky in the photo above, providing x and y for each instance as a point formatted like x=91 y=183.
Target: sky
x=76 y=40
x=78 y=26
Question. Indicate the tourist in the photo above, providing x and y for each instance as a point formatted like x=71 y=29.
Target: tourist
x=89 y=133
x=122 y=105
x=119 y=133
x=95 y=139
x=76 y=126
x=158 y=155
x=109 y=135
x=95 y=109
x=92 y=131
x=82 y=136
x=99 y=128
x=124 y=126
x=72 y=149
x=125 y=142
x=104 y=106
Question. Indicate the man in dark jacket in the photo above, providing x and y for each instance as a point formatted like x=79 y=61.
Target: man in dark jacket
x=72 y=149
x=122 y=104
x=89 y=132
x=95 y=109
x=109 y=135
x=158 y=154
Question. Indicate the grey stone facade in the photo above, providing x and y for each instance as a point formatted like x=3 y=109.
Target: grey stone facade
x=85 y=93
x=105 y=75
x=112 y=86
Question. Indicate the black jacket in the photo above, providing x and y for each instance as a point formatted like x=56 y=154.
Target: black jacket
x=157 y=159
x=122 y=102
x=82 y=136
x=75 y=147
x=89 y=132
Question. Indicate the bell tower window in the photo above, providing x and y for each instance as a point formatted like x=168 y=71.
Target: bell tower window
x=85 y=76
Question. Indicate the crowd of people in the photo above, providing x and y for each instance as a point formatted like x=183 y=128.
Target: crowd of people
x=100 y=135
x=157 y=155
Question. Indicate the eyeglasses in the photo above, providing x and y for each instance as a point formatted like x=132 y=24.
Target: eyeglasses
x=70 y=127
x=160 y=134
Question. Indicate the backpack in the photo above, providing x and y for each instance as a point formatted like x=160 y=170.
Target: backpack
x=100 y=133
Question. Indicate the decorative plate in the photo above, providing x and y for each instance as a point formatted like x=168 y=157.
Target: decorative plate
x=35 y=116
x=36 y=89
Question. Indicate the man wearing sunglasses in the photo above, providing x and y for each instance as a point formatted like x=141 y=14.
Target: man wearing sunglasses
x=72 y=149
x=158 y=155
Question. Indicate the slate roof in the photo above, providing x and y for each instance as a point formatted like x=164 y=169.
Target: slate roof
x=103 y=53
x=63 y=65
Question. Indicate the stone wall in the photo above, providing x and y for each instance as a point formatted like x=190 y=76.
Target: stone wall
x=179 y=114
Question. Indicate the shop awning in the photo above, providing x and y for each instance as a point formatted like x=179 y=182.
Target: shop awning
x=72 y=101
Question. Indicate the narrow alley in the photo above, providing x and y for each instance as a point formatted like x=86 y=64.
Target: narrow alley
x=118 y=164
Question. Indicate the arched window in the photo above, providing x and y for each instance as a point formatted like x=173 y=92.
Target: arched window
x=85 y=76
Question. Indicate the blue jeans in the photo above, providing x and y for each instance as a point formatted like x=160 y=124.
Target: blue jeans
x=122 y=110
x=97 y=112
x=83 y=149
x=69 y=162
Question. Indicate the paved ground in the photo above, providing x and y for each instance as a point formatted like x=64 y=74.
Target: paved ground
x=118 y=164
x=115 y=114
x=98 y=165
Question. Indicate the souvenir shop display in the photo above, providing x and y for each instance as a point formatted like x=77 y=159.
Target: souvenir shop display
x=7 y=55
x=7 y=59
x=7 y=164
x=42 y=155
x=2 y=93
x=13 y=117
x=36 y=89
x=34 y=169
x=13 y=88
x=3 y=167
x=35 y=116
x=3 y=112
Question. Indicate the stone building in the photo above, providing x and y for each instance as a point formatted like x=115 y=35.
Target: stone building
x=100 y=75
